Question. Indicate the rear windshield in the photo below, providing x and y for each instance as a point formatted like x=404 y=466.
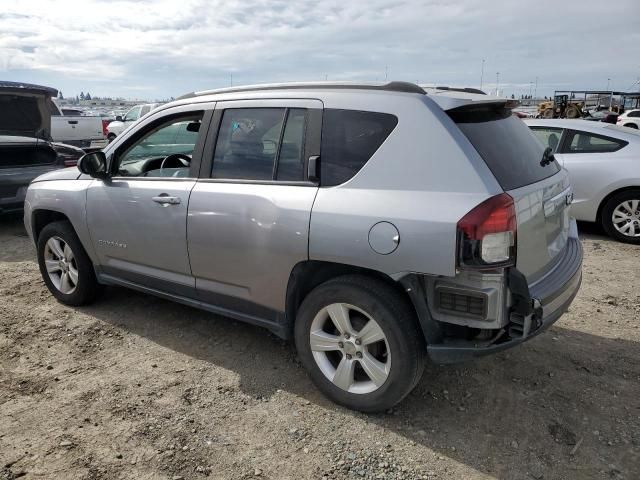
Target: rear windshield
x=506 y=144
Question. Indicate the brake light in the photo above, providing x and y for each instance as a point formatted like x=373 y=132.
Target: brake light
x=105 y=124
x=487 y=234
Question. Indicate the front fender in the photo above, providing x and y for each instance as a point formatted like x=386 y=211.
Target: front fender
x=63 y=196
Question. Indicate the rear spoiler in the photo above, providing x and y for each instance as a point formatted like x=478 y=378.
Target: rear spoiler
x=471 y=101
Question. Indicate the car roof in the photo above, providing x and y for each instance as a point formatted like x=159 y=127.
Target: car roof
x=602 y=128
x=446 y=97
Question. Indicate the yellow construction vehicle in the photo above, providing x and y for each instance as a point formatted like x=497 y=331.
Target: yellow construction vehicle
x=560 y=107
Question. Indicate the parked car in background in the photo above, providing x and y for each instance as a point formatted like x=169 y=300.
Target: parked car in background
x=116 y=127
x=371 y=223
x=630 y=119
x=605 y=116
x=79 y=130
x=603 y=161
x=26 y=150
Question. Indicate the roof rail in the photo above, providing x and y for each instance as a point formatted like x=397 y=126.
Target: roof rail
x=462 y=89
x=405 y=87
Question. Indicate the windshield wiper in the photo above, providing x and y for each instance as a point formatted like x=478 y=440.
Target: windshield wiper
x=547 y=157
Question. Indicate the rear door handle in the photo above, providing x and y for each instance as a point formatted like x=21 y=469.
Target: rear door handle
x=72 y=122
x=165 y=200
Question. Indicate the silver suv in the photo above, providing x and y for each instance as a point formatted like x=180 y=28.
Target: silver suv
x=373 y=224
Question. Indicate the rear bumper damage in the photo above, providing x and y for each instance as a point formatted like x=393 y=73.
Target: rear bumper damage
x=534 y=308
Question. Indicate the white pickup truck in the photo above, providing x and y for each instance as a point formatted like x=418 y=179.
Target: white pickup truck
x=87 y=132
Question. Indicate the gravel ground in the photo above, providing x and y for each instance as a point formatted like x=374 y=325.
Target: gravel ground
x=135 y=387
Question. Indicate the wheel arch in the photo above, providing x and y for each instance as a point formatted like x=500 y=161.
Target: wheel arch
x=308 y=274
x=41 y=217
x=604 y=201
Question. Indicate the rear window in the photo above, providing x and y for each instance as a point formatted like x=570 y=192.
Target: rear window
x=506 y=144
x=349 y=139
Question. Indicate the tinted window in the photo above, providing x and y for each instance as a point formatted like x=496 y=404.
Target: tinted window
x=251 y=144
x=634 y=113
x=583 y=142
x=505 y=143
x=550 y=137
x=145 y=157
x=349 y=139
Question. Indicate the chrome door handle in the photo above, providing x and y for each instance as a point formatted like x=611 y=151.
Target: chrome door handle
x=166 y=200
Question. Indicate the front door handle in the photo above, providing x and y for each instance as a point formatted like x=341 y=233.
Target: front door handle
x=166 y=200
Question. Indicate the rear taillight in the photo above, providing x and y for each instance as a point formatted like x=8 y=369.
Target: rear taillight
x=68 y=160
x=487 y=234
x=105 y=124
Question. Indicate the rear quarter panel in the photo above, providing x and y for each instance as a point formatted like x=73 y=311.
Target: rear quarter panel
x=423 y=179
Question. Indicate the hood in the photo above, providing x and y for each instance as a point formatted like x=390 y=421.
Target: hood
x=25 y=109
x=70 y=173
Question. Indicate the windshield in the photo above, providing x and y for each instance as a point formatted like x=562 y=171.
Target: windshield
x=509 y=148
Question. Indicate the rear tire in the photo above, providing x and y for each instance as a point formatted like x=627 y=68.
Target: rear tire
x=620 y=216
x=111 y=137
x=379 y=354
x=66 y=268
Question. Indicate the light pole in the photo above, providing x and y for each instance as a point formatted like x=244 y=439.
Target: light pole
x=535 y=90
x=608 y=82
x=482 y=74
x=497 y=82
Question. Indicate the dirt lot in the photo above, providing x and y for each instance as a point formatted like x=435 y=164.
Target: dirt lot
x=135 y=387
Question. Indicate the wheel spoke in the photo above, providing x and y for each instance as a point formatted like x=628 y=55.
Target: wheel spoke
x=323 y=341
x=65 y=285
x=343 y=377
x=370 y=333
x=634 y=206
x=56 y=248
x=73 y=275
x=339 y=315
x=68 y=253
x=53 y=266
x=374 y=369
x=627 y=206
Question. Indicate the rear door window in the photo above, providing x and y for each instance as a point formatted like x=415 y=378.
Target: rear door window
x=505 y=143
x=261 y=144
x=550 y=137
x=349 y=139
x=584 y=142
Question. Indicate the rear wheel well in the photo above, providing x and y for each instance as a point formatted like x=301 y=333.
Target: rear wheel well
x=41 y=218
x=606 y=199
x=307 y=275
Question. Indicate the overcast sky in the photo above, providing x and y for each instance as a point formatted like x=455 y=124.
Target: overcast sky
x=159 y=48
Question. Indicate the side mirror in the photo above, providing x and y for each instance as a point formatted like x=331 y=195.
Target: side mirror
x=119 y=118
x=94 y=164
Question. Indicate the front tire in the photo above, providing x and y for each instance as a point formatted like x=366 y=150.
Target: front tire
x=631 y=125
x=360 y=341
x=65 y=266
x=621 y=217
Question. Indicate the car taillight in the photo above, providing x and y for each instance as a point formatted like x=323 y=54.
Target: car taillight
x=105 y=124
x=487 y=234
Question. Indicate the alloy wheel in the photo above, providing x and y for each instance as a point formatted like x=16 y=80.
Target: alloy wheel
x=61 y=265
x=350 y=348
x=626 y=218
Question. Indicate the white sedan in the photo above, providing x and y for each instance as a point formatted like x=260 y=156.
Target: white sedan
x=603 y=161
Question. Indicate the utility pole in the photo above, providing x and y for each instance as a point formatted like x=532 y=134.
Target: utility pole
x=386 y=72
x=482 y=74
x=497 y=82
x=608 y=82
x=535 y=90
